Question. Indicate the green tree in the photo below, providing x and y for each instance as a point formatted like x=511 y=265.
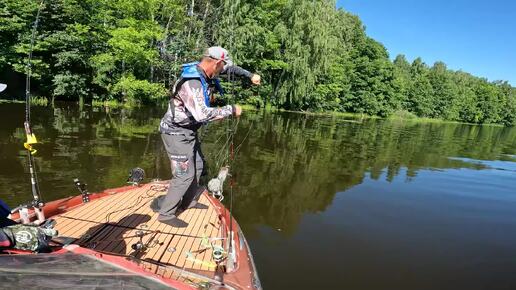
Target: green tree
x=444 y=92
x=311 y=56
x=420 y=93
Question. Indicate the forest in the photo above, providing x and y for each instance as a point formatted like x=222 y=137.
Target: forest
x=311 y=55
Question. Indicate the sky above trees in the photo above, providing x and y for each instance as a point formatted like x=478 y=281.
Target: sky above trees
x=471 y=35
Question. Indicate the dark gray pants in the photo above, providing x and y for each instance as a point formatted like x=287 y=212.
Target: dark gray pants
x=187 y=162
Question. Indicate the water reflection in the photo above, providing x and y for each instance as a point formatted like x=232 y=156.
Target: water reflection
x=288 y=164
x=305 y=186
x=292 y=164
x=97 y=145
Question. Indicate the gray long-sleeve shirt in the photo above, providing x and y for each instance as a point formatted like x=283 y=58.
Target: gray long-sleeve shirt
x=189 y=109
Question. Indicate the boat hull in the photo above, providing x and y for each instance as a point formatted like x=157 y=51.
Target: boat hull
x=237 y=270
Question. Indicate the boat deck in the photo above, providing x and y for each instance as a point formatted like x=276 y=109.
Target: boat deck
x=115 y=223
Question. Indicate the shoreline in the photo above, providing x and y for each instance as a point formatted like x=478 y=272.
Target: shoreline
x=41 y=101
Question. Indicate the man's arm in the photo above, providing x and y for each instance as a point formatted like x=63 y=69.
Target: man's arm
x=235 y=70
x=192 y=95
x=238 y=71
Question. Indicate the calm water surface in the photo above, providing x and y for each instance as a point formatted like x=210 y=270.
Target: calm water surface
x=325 y=202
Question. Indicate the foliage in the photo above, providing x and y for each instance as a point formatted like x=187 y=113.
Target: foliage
x=138 y=91
x=312 y=57
x=39 y=101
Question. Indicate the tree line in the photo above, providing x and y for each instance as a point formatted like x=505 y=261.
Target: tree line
x=311 y=55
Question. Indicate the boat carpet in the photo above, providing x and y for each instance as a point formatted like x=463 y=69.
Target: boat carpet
x=117 y=223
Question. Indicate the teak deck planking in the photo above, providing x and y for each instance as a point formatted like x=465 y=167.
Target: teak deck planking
x=110 y=224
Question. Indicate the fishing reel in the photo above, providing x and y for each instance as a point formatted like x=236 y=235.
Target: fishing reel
x=25 y=216
x=139 y=246
x=218 y=253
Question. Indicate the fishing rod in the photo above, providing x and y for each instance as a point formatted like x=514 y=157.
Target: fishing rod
x=37 y=202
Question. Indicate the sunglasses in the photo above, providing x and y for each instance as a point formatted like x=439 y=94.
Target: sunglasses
x=219 y=59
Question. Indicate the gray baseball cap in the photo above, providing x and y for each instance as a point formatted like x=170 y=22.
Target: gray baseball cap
x=217 y=52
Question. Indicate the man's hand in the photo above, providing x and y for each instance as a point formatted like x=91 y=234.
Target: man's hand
x=256 y=79
x=237 y=110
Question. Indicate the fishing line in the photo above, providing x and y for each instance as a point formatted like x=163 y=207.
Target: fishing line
x=146 y=195
x=29 y=64
x=221 y=157
x=237 y=149
x=219 y=160
x=233 y=132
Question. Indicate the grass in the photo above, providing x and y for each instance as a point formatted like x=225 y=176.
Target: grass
x=406 y=116
x=34 y=101
x=6 y=101
x=339 y=114
x=247 y=107
x=39 y=101
x=400 y=115
x=111 y=104
x=314 y=113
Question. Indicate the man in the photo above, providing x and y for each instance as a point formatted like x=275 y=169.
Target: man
x=5 y=211
x=188 y=110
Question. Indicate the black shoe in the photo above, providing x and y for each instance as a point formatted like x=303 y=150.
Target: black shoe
x=193 y=202
x=197 y=205
x=173 y=222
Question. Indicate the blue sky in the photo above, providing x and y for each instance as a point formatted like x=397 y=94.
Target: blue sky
x=478 y=37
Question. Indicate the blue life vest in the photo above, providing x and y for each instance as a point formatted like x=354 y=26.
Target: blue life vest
x=190 y=71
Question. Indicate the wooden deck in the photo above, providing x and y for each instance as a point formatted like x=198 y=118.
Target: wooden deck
x=114 y=223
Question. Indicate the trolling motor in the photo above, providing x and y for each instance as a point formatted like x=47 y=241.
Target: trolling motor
x=136 y=176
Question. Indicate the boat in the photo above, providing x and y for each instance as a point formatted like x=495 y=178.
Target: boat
x=112 y=240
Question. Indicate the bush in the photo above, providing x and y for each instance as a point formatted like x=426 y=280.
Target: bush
x=135 y=91
x=402 y=114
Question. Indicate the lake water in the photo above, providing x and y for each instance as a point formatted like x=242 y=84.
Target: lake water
x=325 y=202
